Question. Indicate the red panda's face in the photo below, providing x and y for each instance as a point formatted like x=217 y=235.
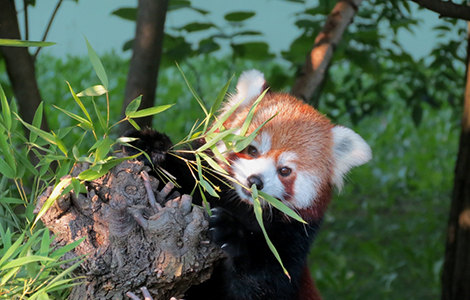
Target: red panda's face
x=291 y=157
x=297 y=156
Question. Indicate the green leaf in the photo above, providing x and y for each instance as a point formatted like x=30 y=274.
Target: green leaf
x=281 y=206
x=11 y=250
x=212 y=163
x=219 y=124
x=196 y=26
x=259 y=217
x=127 y=13
x=56 y=192
x=201 y=104
x=93 y=91
x=149 y=111
x=133 y=123
x=97 y=65
x=245 y=142
x=5 y=109
x=20 y=43
x=22 y=157
x=253 y=50
x=103 y=149
x=84 y=123
x=250 y=114
x=5 y=148
x=91 y=174
x=133 y=106
x=79 y=102
x=218 y=137
x=239 y=16
x=37 y=120
x=218 y=102
x=25 y=260
x=100 y=118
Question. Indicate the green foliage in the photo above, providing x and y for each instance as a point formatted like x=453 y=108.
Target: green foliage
x=176 y=47
x=386 y=231
x=29 y=266
x=29 y=271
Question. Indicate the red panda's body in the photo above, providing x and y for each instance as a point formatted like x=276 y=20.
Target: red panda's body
x=297 y=157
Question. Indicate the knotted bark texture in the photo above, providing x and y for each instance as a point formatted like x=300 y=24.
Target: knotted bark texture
x=132 y=242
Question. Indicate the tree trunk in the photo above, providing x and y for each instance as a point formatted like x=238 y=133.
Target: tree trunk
x=132 y=241
x=318 y=60
x=456 y=272
x=146 y=54
x=20 y=65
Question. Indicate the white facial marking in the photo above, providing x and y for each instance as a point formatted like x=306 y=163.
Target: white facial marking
x=264 y=145
x=265 y=168
x=305 y=189
x=286 y=159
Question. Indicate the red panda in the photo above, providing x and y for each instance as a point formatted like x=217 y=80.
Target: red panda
x=297 y=157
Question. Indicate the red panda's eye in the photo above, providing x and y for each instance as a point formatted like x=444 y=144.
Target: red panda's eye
x=285 y=171
x=252 y=151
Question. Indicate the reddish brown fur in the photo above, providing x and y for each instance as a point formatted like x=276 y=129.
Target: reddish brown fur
x=297 y=128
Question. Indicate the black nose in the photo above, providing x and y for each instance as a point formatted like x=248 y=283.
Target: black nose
x=256 y=180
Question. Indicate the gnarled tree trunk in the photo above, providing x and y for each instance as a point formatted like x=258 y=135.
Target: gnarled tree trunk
x=133 y=240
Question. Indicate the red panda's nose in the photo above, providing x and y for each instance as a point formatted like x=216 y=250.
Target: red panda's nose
x=256 y=180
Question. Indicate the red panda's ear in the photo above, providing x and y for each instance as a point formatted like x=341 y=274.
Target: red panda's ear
x=349 y=150
x=250 y=85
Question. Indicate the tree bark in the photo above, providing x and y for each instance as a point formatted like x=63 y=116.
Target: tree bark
x=132 y=241
x=146 y=55
x=20 y=65
x=446 y=9
x=456 y=272
x=318 y=60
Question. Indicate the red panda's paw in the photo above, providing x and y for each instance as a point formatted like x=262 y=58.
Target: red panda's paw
x=150 y=141
x=227 y=232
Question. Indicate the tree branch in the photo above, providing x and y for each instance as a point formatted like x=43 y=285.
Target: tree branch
x=317 y=61
x=48 y=27
x=446 y=8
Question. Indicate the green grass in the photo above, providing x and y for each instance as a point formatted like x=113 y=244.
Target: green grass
x=383 y=236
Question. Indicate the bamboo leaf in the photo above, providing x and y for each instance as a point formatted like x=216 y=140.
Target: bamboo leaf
x=79 y=102
x=218 y=137
x=20 y=43
x=259 y=217
x=193 y=92
x=101 y=119
x=87 y=125
x=133 y=123
x=5 y=109
x=97 y=65
x=149 y=111
x=133 y=106
x=12 y=249
x=91 y=174
x=25 y=260
x=250 y=114
x=217 y=125
x=281 y=206
x=217 y=103
x=37 y=120
x=245 y=142
x=212 y=163
x=56 y=192
x=93 y=91
x=7 y=155
x=103 y=149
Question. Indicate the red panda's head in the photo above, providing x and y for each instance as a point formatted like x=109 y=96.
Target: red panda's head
x=298 y=155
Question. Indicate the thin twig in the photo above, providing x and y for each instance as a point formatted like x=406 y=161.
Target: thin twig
x=26 y=25
x=48 y=27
